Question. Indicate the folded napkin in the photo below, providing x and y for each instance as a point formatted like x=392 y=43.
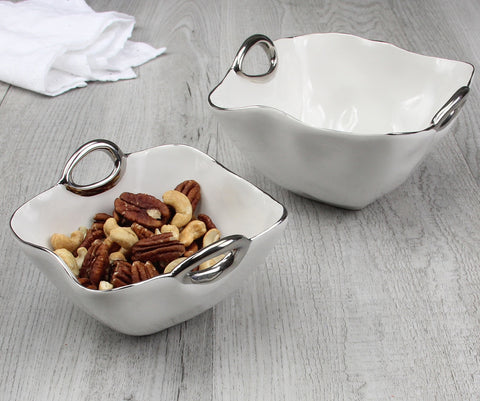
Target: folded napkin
x=52 y=46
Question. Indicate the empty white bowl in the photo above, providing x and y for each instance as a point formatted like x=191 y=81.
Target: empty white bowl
x=250 y=222
x=336 y=117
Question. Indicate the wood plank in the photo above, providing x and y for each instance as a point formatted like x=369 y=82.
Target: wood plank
x=3 y=91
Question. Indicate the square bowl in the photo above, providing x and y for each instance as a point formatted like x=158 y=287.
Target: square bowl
x=339 y=118
x=250 y=221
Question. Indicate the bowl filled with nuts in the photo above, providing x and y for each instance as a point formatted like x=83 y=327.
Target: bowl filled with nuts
x=165 y=236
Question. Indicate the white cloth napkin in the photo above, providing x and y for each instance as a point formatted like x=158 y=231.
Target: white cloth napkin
x=52 y=46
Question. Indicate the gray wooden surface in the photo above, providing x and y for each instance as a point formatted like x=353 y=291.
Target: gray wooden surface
x=379 y=304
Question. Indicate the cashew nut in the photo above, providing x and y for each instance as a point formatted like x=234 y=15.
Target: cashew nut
x=182 y=206
x=170 y=228
x=69 y=259
x=71 y=243
x=81 y=252
x=115 y=256
x=193 y=230
x=210 y=237
x=211 y=262
x=104 y=286
x=123 y=236
x=109 y=225
x=173 y=264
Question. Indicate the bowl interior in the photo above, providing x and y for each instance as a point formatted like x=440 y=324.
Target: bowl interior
x=235 y=205
x=346 y=83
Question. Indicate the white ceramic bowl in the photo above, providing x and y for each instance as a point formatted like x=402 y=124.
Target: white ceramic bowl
x=249 y=219
x=338 y=118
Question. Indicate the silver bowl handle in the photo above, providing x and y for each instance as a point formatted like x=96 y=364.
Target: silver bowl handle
x=450 y=109
x=234 y=247
x=266 y=44
x=119 y=164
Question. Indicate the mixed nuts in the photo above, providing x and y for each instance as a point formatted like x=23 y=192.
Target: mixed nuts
x=143 y=238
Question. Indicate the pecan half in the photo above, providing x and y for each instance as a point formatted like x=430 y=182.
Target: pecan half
x=99 y=220
x=97 y=225
x=143 y=209
x=191 y=189
x=159 y=249
x=143 y=271
x=207 y=220
x=191 y=249
x=141 y=231
x=122 y=274
x=95 y=266
x=101 y=217
x=93 y=234
x=87 y=283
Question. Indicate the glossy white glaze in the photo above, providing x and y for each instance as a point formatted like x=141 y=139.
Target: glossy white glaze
x=319 y=124
x=236 y=206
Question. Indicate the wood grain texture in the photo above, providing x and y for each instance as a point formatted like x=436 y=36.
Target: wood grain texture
x=378 y=304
